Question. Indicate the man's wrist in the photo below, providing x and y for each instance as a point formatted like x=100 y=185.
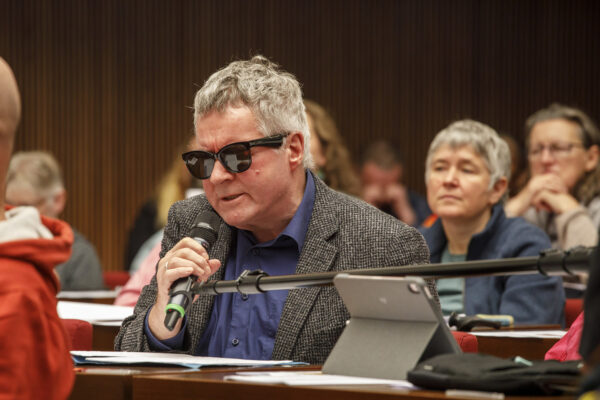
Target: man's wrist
x=156 y=324
x=156 y=344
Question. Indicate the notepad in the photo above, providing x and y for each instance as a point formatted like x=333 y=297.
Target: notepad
x=313 y=378
x=98 y=314
x=540 y=334
x=166 y=359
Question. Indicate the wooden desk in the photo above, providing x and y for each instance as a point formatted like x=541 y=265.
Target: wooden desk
x=146 y=383
x=115 y=383
x=209 y=385
x=505 y=347
x=508 y=347
x=175 y=383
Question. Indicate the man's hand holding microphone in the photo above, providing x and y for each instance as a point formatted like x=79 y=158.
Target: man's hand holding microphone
x=177 y=272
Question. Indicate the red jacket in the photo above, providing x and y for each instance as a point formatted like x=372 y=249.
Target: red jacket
x=34 y=347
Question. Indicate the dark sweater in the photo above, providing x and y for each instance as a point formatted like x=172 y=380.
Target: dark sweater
x=530 y=299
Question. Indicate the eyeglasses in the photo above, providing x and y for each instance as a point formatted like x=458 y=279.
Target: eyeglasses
x=235 y=157
x=557 y=150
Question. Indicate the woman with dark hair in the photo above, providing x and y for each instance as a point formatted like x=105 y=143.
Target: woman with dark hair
x=563 y=194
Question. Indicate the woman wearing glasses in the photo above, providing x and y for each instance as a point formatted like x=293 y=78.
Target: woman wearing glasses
x=563 y=194
x=467 y=171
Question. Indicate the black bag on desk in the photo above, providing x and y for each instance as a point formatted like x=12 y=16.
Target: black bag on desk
x=473 y=371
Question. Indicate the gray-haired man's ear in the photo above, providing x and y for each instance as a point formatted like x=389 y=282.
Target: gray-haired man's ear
x=10 y=114
x=57 y=204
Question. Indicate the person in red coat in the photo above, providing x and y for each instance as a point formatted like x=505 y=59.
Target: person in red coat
x=35 y=362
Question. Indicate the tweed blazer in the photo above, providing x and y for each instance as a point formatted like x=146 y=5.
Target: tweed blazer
x=343 y=233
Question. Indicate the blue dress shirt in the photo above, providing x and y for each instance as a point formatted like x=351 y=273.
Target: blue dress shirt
x=244 y=326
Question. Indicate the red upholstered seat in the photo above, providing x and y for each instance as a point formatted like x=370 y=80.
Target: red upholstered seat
x=80 y=333
x=573 y=307
x=466 y=341
x=112 y=279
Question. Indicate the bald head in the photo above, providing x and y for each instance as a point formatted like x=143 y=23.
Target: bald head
x=10 y=113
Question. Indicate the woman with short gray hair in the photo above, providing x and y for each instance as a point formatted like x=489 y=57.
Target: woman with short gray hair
x=494 y=152
x=467 y=172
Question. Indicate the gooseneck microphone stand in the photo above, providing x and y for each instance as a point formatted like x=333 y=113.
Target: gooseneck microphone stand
x=549 y=262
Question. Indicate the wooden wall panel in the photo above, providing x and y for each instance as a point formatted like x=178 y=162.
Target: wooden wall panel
x=107 y=85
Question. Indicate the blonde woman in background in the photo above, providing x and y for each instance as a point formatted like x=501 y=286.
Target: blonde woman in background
x=330 y=154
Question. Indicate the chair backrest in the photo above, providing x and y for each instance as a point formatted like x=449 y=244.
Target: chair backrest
x=573 y=307
x=80 y=332
x=467 y=342
x=112 y=279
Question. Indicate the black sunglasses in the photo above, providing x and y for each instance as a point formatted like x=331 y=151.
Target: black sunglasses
x=235 y=157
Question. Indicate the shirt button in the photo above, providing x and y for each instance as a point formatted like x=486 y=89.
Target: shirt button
x=256 y=252
x=235 y=342
x=244 y=297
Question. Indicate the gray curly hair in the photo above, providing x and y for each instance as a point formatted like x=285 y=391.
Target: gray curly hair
x=483 y=139
x=273 y=95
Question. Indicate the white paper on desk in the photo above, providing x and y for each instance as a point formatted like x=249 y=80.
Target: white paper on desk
x=126 y=357
x=88 y=294
x=547 y=334
x=93 y=313
x=313 y=378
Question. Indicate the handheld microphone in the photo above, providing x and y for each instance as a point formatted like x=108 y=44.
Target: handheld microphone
x=204 y=231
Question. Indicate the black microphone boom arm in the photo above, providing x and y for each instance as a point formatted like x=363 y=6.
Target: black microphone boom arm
x=549 y=262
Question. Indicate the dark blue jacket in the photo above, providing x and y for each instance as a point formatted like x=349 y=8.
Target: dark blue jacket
x=530 y=299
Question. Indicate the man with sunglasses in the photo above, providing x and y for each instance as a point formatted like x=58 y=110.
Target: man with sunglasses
x=252 y=154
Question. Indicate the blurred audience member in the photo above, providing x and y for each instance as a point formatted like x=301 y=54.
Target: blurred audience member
x=152 y=217
x=381 y=174
x=144 y=250
x=34 y=179
x=128 y=295
x=582 y=341
x=563 y=195
x=518 y=170
x=143 y=266
x=467 y=173
x=567 y=348
x=330 y=154
x=35 y=362
x=589 y=347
